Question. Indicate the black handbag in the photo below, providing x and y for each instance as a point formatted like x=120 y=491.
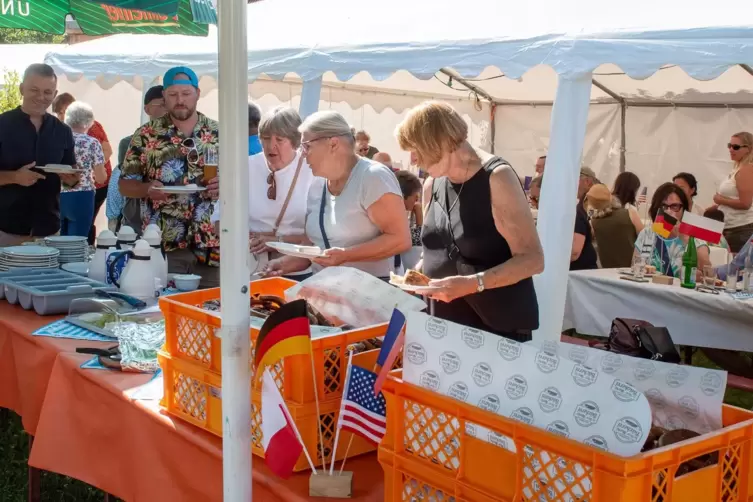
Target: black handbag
x=636 y=338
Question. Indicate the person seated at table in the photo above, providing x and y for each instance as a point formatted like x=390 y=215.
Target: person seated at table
x=667 y=253
x=625 y=190
x=614 y=231
x=480 y=246
x=356 y=214
x=582 y=253
x=689 y=185
x=717 y=214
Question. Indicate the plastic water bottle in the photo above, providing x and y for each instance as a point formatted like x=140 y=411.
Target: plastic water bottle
x=747 y=272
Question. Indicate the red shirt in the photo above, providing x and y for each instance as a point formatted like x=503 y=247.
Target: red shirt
x=98 y=132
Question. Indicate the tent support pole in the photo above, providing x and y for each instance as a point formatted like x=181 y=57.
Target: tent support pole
x=232 y=53
x=623 y=117
x=493 y=127
x=310 y=96
x=470 y=85
x=557 y=210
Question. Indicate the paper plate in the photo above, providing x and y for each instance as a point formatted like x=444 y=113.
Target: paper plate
x=60 y=169
x=296 y=250
x=397 y=281
x=182 y=190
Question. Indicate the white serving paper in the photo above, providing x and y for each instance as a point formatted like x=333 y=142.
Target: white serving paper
x=525 y=383
x=316 y=331
x=681 y=397
x=346 y=295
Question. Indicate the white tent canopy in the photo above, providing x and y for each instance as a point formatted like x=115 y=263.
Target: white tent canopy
x=514 y=55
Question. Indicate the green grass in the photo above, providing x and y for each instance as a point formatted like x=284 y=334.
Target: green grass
x=14 y=448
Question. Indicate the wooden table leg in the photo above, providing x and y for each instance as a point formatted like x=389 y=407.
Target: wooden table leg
x=687 y=353
x=34 y=488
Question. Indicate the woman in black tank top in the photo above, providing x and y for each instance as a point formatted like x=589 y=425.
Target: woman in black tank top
x=480 y=244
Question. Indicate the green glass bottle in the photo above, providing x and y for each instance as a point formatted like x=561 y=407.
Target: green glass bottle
x=689 y=265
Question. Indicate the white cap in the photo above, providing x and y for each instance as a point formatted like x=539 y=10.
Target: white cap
x=106 y=238
x=152 y=236
x=142 y=248
x=126 y=234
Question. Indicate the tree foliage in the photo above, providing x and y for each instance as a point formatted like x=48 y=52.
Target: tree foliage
x=14 y=36
x=10 y=94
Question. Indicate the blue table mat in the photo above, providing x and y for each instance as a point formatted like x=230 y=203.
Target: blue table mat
x=64 y=329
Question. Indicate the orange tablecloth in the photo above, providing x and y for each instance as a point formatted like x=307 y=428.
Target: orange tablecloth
x=86 y=428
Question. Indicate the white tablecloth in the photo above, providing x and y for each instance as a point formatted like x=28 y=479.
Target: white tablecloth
x=596 y=297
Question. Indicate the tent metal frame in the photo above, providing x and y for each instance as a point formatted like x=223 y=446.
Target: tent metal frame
x=617 y=99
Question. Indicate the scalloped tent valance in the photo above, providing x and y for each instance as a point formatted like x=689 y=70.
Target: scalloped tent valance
x=480 y=39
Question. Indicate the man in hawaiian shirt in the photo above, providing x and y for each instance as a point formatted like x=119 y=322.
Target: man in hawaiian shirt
x=169 y=151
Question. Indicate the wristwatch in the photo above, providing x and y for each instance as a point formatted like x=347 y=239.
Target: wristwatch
x=480 y=280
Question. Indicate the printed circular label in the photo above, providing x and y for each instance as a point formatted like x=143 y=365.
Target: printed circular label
x=711 y=383
x=578 y=354
x=450 y=362
x=473 y=338
x=516 y=387
x=415 y=353
x=586 y=414
x=689 y=406
x=489 y=402
x=655 y=399
x=459 y=391
x=550 y=347
x=674 y=422
x=430 y=380
x=550 y=399
x=597 y=442
x=643 y=370
x=482 y=374
x=624 y=391
x=547 y=362
x=524 y=415
x=611 y=363
x=559 y=427
x=677 y=377
x=436 y=328
x=471 y=430
x=500 y=440
x=627 y=430
x=584 y=376
x=508 y=349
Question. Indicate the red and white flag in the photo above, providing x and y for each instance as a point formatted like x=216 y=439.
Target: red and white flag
x=702 y=228
x=279 y=434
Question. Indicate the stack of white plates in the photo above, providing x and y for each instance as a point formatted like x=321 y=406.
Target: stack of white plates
x=28 y=257
x=73 y=249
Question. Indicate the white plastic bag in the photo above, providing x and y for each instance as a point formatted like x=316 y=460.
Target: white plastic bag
x=346 y=295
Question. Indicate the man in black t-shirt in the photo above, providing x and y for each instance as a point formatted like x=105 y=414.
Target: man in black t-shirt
x=582 y=253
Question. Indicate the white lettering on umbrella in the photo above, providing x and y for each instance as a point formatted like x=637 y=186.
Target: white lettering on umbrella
x=9 y=4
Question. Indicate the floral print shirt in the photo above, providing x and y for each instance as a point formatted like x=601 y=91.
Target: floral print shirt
x=160 y=151
x=88 y=154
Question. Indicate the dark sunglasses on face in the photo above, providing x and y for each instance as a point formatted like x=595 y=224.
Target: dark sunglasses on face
x=672 y=207
x=735 y=147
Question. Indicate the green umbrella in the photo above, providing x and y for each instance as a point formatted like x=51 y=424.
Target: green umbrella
x=48 y=16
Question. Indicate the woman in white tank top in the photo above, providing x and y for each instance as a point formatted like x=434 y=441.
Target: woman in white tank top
x=735 y=195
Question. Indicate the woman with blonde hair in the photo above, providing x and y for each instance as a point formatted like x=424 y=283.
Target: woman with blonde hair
x=735 y=195
x=613 y=229
x=480 y=245
x=356 y=213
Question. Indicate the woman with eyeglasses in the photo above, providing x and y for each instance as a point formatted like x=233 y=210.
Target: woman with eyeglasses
x=666 y=254
x=735 y=195
x=356 y=214
x=279 y=181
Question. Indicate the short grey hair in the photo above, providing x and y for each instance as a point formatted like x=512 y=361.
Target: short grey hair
x=282 y=121
x=327 y=124
x=79 y=114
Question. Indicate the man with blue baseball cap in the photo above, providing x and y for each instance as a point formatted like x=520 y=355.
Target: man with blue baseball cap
x=165 y=157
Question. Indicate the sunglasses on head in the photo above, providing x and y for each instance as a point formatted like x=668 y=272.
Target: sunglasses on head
x=735 y=147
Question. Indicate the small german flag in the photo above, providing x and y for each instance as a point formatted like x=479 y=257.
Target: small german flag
x=287 y=332
x=664 y=224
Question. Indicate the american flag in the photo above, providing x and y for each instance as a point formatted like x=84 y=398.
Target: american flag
x=363 y=413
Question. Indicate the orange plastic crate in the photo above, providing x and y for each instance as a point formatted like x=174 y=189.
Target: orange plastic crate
x=427 y=455
x=191 y=335
x=194 y=394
